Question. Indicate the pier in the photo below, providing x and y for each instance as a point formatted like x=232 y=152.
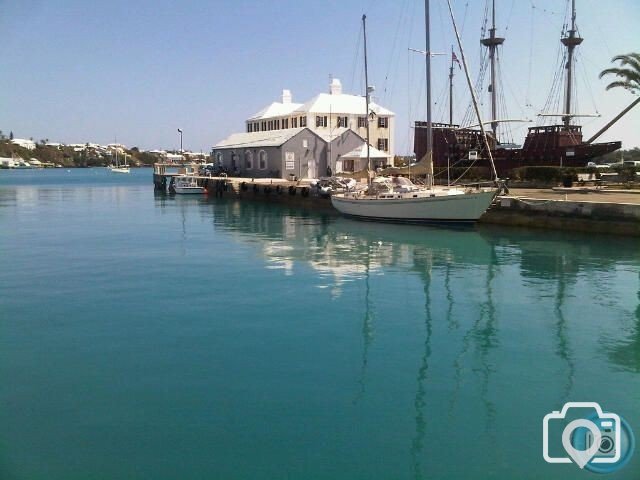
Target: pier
x=596 y=210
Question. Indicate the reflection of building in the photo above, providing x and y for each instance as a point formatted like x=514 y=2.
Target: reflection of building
x=287 y=138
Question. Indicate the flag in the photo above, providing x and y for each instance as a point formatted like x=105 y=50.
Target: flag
x=455 y=59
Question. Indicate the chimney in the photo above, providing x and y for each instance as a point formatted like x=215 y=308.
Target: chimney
x=335 y=87
x=286 y=96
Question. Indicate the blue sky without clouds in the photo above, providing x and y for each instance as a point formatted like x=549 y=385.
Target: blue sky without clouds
x=91 y=71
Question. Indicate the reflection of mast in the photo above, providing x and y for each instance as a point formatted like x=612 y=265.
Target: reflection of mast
x=419 y=402
x=367 y=331
x=484 y=333
x=563 y=350
x=571 y=42
x=492 y=42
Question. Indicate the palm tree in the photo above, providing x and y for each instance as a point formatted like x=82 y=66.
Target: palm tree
x=628 y=73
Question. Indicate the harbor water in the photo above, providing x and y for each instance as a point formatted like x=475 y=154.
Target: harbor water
x=160 y=337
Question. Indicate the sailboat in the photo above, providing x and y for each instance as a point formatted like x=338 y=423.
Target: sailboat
x=397 y=199
x=117 y=168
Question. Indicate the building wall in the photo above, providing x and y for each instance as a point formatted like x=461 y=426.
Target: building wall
x=375 y=131
x=343 y=144
x=247 y=161
x=309 y=153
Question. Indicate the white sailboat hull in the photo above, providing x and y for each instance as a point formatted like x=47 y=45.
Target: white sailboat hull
x=119 y=169
x=406 y=208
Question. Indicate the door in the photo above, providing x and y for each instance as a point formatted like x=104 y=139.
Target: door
x=312 y=168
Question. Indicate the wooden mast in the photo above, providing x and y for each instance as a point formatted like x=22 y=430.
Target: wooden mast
x=492 y=42
x=571 y=42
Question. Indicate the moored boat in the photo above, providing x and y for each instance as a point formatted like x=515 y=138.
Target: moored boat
x=187 y=185
x=397 y=199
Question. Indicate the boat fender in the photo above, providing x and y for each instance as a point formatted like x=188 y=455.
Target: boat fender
x=292 y=190
x=304 y=192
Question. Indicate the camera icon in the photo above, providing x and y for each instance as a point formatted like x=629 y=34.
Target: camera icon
x=592 y=440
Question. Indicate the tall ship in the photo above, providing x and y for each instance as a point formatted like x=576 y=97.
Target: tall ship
x=560 y=144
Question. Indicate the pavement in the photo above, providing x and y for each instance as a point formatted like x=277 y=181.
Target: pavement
x=579 y=195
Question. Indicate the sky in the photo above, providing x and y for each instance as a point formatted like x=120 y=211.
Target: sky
x=77 y=71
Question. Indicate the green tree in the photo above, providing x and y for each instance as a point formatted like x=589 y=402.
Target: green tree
x=628 y=73
x=11 y=135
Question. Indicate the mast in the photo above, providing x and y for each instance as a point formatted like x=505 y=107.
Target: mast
x=492 y=42
x=571 y=42
x=473 y=94
x=428 y=83
x=366 y=86
x=451 y=90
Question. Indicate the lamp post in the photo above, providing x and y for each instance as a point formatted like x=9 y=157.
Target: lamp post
x=180 y=132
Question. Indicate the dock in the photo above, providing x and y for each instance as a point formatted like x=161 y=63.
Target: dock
x=615 y=211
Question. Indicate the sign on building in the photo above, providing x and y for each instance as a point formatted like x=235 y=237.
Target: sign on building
x=289 y=160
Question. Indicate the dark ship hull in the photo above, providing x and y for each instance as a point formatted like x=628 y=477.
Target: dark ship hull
x=555 y=145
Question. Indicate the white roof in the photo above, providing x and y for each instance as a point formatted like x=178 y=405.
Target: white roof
x=276 y=109
x=272 y=138
x=361 y=152
x=342 y=103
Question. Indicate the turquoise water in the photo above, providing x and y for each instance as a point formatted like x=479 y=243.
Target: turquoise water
x=156 y=337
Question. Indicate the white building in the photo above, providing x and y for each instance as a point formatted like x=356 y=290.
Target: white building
x=308 y=140
x=326 y=112
x=24 y=143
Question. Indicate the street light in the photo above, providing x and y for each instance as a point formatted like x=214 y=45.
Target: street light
x=180 y=132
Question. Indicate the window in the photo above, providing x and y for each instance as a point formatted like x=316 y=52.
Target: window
x=362 y=122
x=249 y=127
x=278 y=124
x=294 y=122
x=383 y=122
x=219 y=158
x=321 y=121
x=264 y=126
x=342 y=121
x=303 y=121
x=285 y=123
x=262 y=160
x=347 y=165
x=248 y=160
x=383 y=144
x=256 y=127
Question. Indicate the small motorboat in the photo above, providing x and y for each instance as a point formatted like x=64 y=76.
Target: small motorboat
x=187 y=185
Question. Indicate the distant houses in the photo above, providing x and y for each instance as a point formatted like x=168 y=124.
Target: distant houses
x=309 y=140
x=24 y=143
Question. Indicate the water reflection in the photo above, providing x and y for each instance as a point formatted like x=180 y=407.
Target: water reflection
x=506 y=316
